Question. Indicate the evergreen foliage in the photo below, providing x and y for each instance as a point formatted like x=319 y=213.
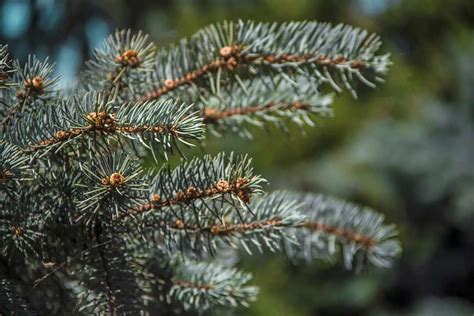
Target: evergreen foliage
x=85 y=229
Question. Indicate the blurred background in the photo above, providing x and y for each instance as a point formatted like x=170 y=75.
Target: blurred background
x=405 y=149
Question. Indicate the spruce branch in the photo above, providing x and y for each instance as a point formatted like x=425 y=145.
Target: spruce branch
x=11 y=301
x=34 y=85
x=19 y=229
x=90 y=117
x=110 y=186
x=229 y=109
x=261 y=224
x=111 y=285
x=201 y=286
x=121 y=66
x=307 y=226
x=34 y=80
x=100 y=234
x=201 y=185
x=13 y=165
x=332 y=54
x=361 y=233
x=5 y=67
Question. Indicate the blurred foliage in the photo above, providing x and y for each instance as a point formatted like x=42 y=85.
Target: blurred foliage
x=406 y=149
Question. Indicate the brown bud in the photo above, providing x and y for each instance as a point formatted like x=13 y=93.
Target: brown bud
x=357 y=237
x=223 y=186
x=37 y=83
x=169 y=83
x=100 y=119
x=180 y=196
x=211 y=115
x=300 y=105
x=191 y=192
x=232 y=63
x=226 y=51
x=215 y=230
x=60 y=134
x=357 y=64
x=92 y=118
x=116 y=179
x=20 y=94
x=270 y=58
x=339 y=60
x=179 y=224
x=240 y=182
x=32 y=87
x=16 y=230
x=155 y=198
x=128 y=58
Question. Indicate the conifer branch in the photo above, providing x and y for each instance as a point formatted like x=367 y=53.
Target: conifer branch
x=260 y=224
x=238 y=188
x=98 y=233
x=109 y=187
x=5 y=68
x=201 y=286
x=35 y=86
x=360 y=232
x=331 y=54
x=201 y=184
x=346 y=234
x=186 y=79
x=121 y=66
x=211 y=115
x=11 y=301
x=162 y=123
x=19 y=227
x=111 y=285
x=307 y=226
x=13 y=164
x=265 y=100
x=109 y=289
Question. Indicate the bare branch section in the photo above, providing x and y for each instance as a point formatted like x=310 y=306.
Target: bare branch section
x=188 y=78
x=212 y=116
